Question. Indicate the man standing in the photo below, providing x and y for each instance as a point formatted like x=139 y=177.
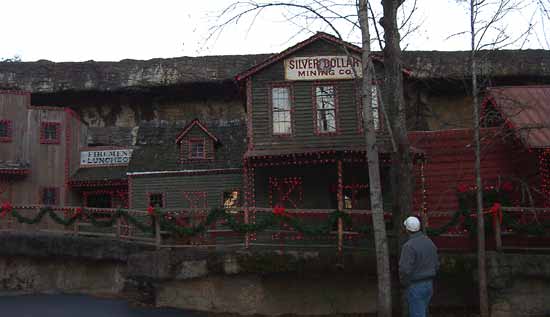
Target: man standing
x=418 y=267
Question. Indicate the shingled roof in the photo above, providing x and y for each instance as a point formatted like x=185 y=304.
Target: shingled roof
x=156 y=150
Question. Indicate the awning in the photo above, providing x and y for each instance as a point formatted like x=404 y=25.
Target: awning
x=99 y=176
x=14 y=168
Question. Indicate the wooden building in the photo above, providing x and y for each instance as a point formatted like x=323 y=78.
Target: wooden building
x=196 y=165
x=276 y=130
x=305 y=127
x=39 y=150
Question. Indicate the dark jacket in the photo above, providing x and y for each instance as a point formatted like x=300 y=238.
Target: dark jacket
x=418 y=259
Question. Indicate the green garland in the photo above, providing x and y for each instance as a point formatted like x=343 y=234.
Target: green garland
x=270 y=220
x=167 y=223
x=467 y=207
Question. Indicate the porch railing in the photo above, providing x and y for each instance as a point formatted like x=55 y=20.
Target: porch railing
x=296 y=229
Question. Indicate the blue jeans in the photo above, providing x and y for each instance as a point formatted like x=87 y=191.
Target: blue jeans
x=418 y=296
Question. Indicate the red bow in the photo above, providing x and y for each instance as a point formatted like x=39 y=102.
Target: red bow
x=496 y=211
x=6 y=208
x=151 y=210
x=77 y=212
x=462 y=188
x=280 y=211
x=507 y=186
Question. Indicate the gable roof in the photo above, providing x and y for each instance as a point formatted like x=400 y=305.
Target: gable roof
x=190 y=126
x=156 y=151
x=277 y=57
x=526 y=109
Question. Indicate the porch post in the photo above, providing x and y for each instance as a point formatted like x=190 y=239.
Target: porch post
x=424 y=209
x=247 y=200
x=340 y=198
x=498 y=236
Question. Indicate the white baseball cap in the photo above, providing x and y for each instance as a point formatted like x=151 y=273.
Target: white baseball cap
x=412 y=224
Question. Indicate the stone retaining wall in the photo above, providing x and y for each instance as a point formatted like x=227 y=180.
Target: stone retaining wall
x=253 y=282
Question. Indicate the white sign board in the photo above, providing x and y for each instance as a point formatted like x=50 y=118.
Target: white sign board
x=106 y=157
x=322 y=67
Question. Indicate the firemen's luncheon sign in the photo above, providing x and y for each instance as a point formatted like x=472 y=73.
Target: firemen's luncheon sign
x=322 y=67
x=107 y=157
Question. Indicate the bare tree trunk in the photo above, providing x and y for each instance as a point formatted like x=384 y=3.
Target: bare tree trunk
x=402 y=168
x=379 y=225
x=481 y=257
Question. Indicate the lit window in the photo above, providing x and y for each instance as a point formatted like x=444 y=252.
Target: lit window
x=196 y=149
x=348 y=201
x=156 y=200
x=49 y=196
x=280 y=98
x=231 y=199
x=49 y=133
x=5 y=131
x=325 y=97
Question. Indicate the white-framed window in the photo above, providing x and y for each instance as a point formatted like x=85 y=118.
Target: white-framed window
x=196 y=149
x=325 y=104
x=281 y=107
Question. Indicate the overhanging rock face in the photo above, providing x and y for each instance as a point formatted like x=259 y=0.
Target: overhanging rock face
x=456 y=65
x=49 y=77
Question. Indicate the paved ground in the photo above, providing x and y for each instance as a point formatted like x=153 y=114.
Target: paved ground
x=78 y=306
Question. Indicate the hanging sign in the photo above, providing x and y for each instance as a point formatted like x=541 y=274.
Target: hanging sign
x=322 y=67
x=106 y=157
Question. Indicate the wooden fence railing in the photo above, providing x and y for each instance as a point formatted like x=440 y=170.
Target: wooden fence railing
x=305 y=228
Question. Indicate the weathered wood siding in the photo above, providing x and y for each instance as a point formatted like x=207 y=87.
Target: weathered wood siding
x=348 y=134
x=47 y=160
x=77 y=137
x=50 y=165
x=13 y=107
x=174 y=187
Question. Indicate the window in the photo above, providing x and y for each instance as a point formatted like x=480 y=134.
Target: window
x=280 y=99
x=49 y=133
x=375 y=108
x=49 y=196
x=356 y=197
x=196 y=149
x=156 y=200
x=5 y=130
x=231 y=199
x=325 y=100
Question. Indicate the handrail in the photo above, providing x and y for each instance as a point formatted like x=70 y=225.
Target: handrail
x=218 y=231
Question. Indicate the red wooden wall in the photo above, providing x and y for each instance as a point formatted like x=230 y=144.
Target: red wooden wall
x=449 y=162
